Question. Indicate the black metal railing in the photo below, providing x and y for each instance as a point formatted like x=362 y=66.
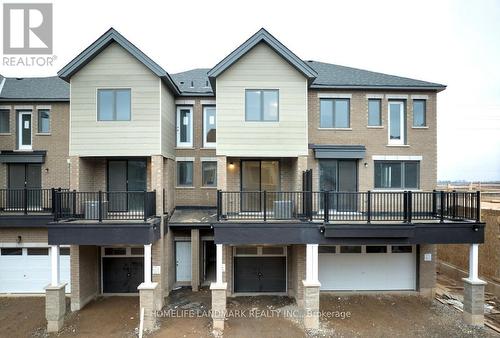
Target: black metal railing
x=27 y=200
x=105 y=205
x=332 y=206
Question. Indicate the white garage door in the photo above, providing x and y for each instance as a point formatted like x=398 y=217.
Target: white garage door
x=27 y=270
x=377 y=267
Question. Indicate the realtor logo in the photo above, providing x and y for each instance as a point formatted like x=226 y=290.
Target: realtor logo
x=27 y=28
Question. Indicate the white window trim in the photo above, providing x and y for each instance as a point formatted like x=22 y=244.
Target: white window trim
x=205 y=143
x=397 y=158
x=401 y=141
x=420 y=97
x=375 y=96
x=20 y=146
x=184 y=102
x=184 y=159
x=208 y=159
x=396 y=96
x=208 y=102
x=178 y=128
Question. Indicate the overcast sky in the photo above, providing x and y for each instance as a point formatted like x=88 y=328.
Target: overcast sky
x=456 y=43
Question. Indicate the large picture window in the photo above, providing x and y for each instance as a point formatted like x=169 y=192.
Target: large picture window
x=397 y=174
x=261 y=105
x=113 y=104
x=334 y=113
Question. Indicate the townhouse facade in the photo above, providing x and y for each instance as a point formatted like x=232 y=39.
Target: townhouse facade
x=266 y=174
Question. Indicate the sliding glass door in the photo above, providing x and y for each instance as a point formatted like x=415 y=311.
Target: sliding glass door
x=126 y=176
x=257 y=176
x=339 y=176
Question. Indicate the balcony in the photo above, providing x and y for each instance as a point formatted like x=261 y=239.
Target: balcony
x=104 y=206
x=349 y=207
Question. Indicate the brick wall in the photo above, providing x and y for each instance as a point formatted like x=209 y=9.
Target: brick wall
x=85 y=276
x=197 y=195
x=55 y=171
x=421 y=142
x=28 y=235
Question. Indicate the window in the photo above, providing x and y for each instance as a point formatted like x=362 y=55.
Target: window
x=4 y=121
x=184 y=174
x=209 y=174
x=374 y=109
x=113 y=104
x=350 y=249
x=38 y=251
x=334 y=113
x=115 y=251
x=419 y=113
x=209 y=126
x=396 y=123
x=327 y=249
x=11 y=251
x=185 y=126
x=44 y=121
x=401 y=249
x=137 y=251
x=376 y=249
x=397 y=175
x=261 y=105
x=64 y=251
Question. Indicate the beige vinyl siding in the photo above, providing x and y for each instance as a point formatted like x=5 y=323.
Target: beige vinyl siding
x=167 y=122
x=261 y=68
x=114 y=67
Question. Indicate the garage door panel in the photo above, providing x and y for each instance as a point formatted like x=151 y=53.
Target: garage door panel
x=370 y=271
x=260 y=274
x=30 y=273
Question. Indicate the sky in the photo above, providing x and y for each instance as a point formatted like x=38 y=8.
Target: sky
x=456 y=43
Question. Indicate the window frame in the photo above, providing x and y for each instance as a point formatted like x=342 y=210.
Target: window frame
x=205 y=143
x=39 y=111
x=7 y=112
x=424 y=101
x=261 y=104
x=333 y=99
x=178 y=185
x=379 y=112
x=19 y=130
x=203 y=174
x=180 y=144
x=114 y=113
x=403 y=175
x=402 y=138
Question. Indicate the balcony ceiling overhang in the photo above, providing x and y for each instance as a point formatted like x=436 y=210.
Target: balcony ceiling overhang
x=338 y=151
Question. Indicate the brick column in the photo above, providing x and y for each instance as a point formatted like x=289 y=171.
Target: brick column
x=55 y=306
x=427 y=270
x=474 y=302
x=300 y=167
x=74 y=179
x=195 y=259
x=219 y=291
x=222 y=172
x=158 y=247
x=84 y=275
x=148 y=296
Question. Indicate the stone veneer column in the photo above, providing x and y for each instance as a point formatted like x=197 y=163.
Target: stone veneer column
x=219 y=289
x=148 y=300
x=311 y=288
x=427 y=270
x=158 y=247
x=474 y=291
x=195 y=259
x=55 y=306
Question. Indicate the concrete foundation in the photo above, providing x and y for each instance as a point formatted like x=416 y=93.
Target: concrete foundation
x=218 y=305
x=474 y=302
x=148 y=299
x=311 y=305
x=55 y=307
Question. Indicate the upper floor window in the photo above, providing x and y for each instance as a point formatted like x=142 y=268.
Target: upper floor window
x=396 y=122
x=209 y=126
x=419 y=109
x=397 y=174
x=185 y=127
x=4 y=121
x=334 y=113
x=44 y=121
x=261 y=105
x=209 y=173
x=113 y=105
x=184 y=173
x=374 y=112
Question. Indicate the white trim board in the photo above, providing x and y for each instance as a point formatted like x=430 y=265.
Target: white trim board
x=396 y=96
x=185 y=102
x=420 y=97
x=334 y=96
x=184 y=159
x=374 y=96
x=397 y=157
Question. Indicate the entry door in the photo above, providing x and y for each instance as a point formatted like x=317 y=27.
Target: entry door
x=260 y=274
x=24 y=130
x=258 y=176
x=122 y=274
x=130 y=176
x=183 y=261
x=340 y=176
x=23 y=176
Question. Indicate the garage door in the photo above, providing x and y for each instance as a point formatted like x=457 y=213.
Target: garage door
x=377 y=267
x=28 y=270
x=260 y=269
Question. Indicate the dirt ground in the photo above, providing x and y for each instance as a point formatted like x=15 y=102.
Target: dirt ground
x=186 y=315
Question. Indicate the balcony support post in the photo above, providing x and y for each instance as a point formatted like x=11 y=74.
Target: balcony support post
x=219 y=292
x=478 y=206
x=442 y=205
x=99 y=206
x=473 y=291
x=55 y=295
x=265 y=206
x=410 y=206
x=369 y=206
x=145 y=206
x=311 y=288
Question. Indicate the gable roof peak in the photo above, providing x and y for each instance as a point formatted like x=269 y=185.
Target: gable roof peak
x=262 y=35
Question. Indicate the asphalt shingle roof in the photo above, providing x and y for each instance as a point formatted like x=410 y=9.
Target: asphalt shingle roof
x=193 y=81
x=35 y=89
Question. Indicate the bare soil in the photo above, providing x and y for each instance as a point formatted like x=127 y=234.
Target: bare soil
x=21 y=316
